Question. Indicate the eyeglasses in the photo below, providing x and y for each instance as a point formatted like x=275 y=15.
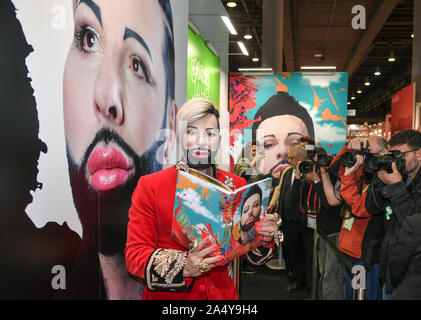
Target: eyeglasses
x=404 y=153
x=196 y=132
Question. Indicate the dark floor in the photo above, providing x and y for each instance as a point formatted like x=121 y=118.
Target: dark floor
x=268 y=284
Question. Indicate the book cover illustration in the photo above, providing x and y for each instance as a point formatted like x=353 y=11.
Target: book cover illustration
x=205 y=207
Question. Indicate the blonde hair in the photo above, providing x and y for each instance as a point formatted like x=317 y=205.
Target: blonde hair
x=196 y=109
x=193 y=110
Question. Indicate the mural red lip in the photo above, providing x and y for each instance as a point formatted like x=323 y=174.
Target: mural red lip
x=278 y=169
x=108 y=168
x=201 y=154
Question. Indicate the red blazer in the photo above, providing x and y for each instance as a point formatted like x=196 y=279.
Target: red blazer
x=149 y=229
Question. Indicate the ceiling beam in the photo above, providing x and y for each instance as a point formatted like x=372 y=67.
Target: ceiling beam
x=288 y=36
x=365 y=43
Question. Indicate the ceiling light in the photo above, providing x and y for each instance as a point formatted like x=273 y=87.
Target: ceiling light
x=359 y=91
x=318 y=55
x=243 y=48
x=353 y=98
x=377 y=73
x=412 y=35
x=231 y=4
x=255 y=59
x=255 y=69
x=318 y=68
x=229 y=25
x=248 y=37
x=391 y=57
x=348 y=103
x=367 y=82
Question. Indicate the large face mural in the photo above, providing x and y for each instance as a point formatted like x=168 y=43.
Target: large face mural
x=116 y=96
x=105 y=104
x=277 y=110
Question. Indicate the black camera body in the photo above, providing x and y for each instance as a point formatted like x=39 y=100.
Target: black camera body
x=349 y=159
x=375 y=162
x=306 y=166
x=310 y=151
x=322 y=161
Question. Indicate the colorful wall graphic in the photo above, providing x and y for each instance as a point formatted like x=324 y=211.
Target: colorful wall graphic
x=266 y=108
x=203 y=69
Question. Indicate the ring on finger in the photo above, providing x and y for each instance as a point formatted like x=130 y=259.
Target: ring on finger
x=193 y=246
x=203 y=267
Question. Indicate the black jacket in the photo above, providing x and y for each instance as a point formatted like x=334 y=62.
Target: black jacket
x=405 y=260
x=288 y=208
x=329 y=219
x=405 y=200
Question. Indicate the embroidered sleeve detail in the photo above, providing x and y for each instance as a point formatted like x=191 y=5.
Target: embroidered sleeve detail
x=164 y=270
x=260 y=255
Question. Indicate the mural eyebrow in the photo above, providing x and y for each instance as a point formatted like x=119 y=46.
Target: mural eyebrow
x=292 y=133
x=94 y=7
x=128 y=33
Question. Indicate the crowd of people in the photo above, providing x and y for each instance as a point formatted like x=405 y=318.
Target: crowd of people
x=348 y=224
x=350 y=221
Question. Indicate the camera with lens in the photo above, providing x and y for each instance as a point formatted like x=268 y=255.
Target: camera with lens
x=376 y=162
x=349 y=159
x=310 y=151
x=306 y=166
x=322 y=161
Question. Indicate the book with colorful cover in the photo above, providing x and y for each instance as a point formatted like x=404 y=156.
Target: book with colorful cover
x=205 y=207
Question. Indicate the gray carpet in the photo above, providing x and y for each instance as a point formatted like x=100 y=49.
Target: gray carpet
x=268 y=284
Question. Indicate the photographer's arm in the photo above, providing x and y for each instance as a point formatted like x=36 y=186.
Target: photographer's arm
x=349 y=189
x=328 y=188
x=375 y=203
x=402 y=203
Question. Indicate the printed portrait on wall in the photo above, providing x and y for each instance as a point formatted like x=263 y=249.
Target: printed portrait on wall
x=277 y=110
x=102 y=112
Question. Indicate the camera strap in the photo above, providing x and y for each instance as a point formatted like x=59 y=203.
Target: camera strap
x=315 y=202
x=311 y=214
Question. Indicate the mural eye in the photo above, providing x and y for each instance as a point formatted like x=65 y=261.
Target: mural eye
x=87 y=40
x=268 y=145
x=137 y=67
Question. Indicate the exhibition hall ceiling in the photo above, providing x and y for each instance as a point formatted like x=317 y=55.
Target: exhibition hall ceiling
x=320 y=33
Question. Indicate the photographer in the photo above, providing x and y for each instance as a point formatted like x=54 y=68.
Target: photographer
x=356 y=222
x=396 y=194
x=298 y=235
x=331 y=280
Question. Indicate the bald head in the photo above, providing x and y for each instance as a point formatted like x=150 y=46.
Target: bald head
x=377 y=144
x=296 y=153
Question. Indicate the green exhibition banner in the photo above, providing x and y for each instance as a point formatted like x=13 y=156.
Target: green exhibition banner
x=202 y=70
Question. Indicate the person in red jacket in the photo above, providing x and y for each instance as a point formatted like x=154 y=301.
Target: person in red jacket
x=354 y=185
x=152 y=255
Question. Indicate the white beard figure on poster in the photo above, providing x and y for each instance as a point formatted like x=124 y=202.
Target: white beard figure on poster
x=118 y=94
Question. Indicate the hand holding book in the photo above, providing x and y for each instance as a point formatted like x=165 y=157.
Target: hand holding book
x=267 y=226
x=205 y=208
x=199 y=259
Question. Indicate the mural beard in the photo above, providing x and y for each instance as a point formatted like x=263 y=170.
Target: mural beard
x=199 y=164
x=104 y=214
x=248 y=226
